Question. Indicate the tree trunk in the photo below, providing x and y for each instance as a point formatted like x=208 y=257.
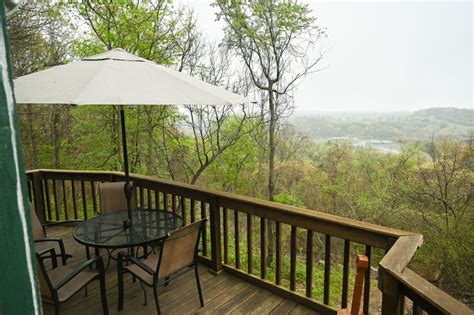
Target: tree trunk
x=32 y=138
x=150 y=129
x=271 y=171
x=56 y=138
x=116 y=138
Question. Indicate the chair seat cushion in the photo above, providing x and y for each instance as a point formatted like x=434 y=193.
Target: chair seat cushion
x=74 y=285
x=151 y=261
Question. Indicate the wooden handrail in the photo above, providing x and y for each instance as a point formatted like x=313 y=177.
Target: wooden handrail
x=432 y=299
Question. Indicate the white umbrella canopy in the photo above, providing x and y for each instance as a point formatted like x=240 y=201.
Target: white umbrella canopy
x=118 y=78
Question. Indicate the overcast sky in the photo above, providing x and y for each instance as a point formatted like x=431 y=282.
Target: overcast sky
x=384 y=56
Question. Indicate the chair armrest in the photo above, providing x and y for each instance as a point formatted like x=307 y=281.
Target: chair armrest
x=61 y=222
x=43 y=251
x=45 y=225
x=80 y=268
x=54 y=259
x=49 y=239
x=61 y=247
x=136 y=261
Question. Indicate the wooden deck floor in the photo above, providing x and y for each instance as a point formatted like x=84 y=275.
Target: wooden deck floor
x=223 y=294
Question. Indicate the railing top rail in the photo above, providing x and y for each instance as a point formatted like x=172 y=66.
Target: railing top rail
x=401 y=253
x=434 y=298
x=285 y=209
x=414 y=286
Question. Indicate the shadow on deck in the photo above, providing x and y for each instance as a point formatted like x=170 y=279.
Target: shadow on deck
x=223 y=294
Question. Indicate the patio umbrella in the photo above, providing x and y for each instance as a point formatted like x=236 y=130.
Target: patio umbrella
x=118 y=78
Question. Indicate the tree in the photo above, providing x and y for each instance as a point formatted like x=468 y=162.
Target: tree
x=154 y=30
x=211 y=129
x=273 y=38
x=444 y=197
x=39 y=37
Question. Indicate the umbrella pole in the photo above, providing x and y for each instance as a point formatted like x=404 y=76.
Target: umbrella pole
x=127 y=188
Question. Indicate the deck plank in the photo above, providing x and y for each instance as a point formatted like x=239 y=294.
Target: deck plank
x=285 y=307
x=223 y=294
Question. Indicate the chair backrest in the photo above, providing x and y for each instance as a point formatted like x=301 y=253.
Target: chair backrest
x=179 y=250
x=45 y=283
x=112 y=197
x=38 y=232
x=362 y=264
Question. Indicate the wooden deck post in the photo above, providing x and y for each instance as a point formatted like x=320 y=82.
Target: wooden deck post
x=215 y=223
x=38 y=196
x=392 y=299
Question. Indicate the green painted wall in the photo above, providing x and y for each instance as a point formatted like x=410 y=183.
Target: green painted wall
x=18 y=293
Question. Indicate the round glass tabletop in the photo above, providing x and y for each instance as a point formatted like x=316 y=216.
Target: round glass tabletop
x=107 y=231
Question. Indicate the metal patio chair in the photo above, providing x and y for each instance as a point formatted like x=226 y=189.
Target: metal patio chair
x=177 y=254
x=61 y=283
x=44 y=244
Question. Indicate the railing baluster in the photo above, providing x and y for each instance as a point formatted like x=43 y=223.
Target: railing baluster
x=149 y=203
x=293 y=259
x=249 y=244
x=183 y=211
x=142 y=198
x=48 y=200
x=417 y=310
x=327 y=268
x=309 y=263
x=84 y=199
x=38 y=195
x=173 y=203
x=30 y=198
x=345 y=273
x=66 y=215
x=215 y=234
x=94 y=197
x=165 y=201
x=226 y=236
x=204 y=230
x=402 y=304
x=278 y=253
x=263 y=246
x=193 y=210
x=55 y=198
x=74 y=202
x=236 y=237
x=157 y=199
x=368 y=253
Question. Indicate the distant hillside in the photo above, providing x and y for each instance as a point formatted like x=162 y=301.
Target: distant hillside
x=420 y=125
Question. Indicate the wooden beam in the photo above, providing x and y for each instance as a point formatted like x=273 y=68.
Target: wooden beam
x=215 y=218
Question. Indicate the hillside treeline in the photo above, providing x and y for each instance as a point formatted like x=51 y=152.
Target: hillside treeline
x=423 y=124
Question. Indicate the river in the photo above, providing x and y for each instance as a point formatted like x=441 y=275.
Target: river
x=385 y=146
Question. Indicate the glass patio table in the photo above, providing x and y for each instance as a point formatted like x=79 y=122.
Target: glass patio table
x=107 y=231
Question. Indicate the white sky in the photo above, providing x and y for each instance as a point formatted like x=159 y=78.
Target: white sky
x=384 y=56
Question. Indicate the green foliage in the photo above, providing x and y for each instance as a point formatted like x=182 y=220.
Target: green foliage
x=154 y=29
x=288 y=199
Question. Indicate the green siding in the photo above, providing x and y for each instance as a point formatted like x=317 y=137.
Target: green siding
x=18 y=294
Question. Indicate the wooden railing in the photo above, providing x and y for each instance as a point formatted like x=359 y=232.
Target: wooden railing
x=63 y=195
